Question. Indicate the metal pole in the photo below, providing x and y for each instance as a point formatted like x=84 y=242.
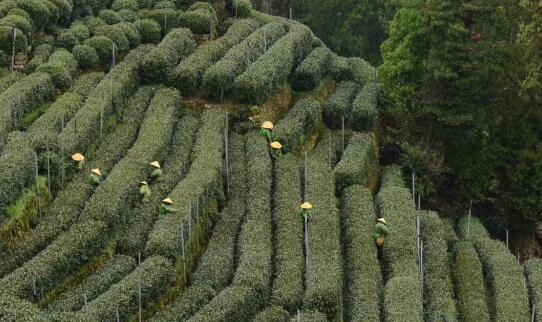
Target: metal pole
x=118 y=314
x=507 y=246
x=14 y=37
x=306 y=175
x=264 y=39
x=48 y=174
x=34 y=290
x=330 y=151
x=226 y=145
x=85 y=298
x=101 y=122
x=62 y=154
x=290 y=13
x=533 y=312
x=37 y=184
x=306 y=249
x=413 y=186
x=343 y=132
x=468 y=220
x=139 y=302
x=419 y=202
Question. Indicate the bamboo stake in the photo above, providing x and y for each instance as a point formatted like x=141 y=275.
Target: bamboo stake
x=468 y=220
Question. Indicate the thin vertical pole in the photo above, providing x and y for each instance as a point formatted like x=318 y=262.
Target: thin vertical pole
x=139 y=302
x=507 y=246
x=533 y=311
x=118 y=314
x=48 y=174
x=306 y=176
x=37 y=184
x=419 y=202
x=34 y=289
x=264 y=39
x=342 y=126
x=62 y=154
x=337 y=299
x=468 y=220
x=85 y=298
x=101 y=122
x=290 y=13
x=330 y=151
x=413 y=186
x=306 y=249
x=14 y=37
x=226 y=146
x=183 y=252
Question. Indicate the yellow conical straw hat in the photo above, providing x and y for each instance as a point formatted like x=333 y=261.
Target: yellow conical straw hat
x=382 y=220
x=267 y=125
x=306 y=205
x=144 y=183
x=78 y=157
x=276 y=145
x=96 y=171
x=168 y=201
x=155 y=164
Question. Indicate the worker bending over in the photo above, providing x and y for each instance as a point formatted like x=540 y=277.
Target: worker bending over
x=276 y=149
x=156 y=173
x=267 y=131
x=167 y=207
x=95 y=177
x=144 y=192
x=79 y=159
x=381 y=232
x=306 y=210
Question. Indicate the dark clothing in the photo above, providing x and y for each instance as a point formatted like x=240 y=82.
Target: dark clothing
x=267 y=135
x=156 y=175
x=145 y=193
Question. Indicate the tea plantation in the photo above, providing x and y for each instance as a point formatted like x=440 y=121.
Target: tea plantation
x=188 y=84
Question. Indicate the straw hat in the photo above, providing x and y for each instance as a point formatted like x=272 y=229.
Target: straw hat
x=382 y=220
x=306 y=205
x=276 y=145
x=267 y=125
x=78 y=157
x=168 y=201
x=144 y=183
x=96 y=171
x=155 y=164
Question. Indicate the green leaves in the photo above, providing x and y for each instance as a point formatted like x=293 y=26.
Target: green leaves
x=359 y=160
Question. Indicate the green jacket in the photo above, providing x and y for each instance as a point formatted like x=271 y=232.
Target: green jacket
x=166 y=209
x=145 y=193
x=94 y=179
x=305 y=212
x=80 y=164
x=267 y=135
x=156 y=174
x=381 y=230
x=275 y=153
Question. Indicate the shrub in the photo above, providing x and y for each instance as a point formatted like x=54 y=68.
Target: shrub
x=9 y=79
x=18 y=22
x=154 y=276
x=121 y=82
x=289 y=259
x=272 y=314
x=67 y=40
x=189 y=73
x=307 y=315
x=86 y=56
x=362 y=267
x=339 y=104
x=131 y=33
x=438 y=292
x=116 y=34
x=199 y=18
x=235 y=303
x=392 y=176
x=353 y=69
x=65 y=208
x=53 y=13
x=268 y=73
x=127 y=15
x=60 y=259
x=325 y=268
x=103 y=46
x=65 y=8
x=364 y=108
x=93 y=23
x=533 y=272
x=125 y=4
x=18 y=12
x=204 y=174
x=403 y=300
x=112 y=272
x=6 y=40
x=17 y=167
x=299 y=124
x=120 y=187
x=191 y=301
x=13 y=309
x=21 y=97
x=62 y=67
x=149 y=30
x=310 y=72
x=469 y=283
x=243 y=8
x=359 y=160
x=165 y=5
x=148 y=4
x=168 y=19
x=221 y=76
x=41 y=55
x=109 y=16
x=38 y=11
x=160 y=62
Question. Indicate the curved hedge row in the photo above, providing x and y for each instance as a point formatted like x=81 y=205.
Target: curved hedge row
x=13 y=309
x=62 y=67
x=199 y=18
x=109 y=95
x=205 y=173
x=264 y=77
x=135 y=232
x=359 y=160
x=168 y=19
x=313 y=316
x=299 y=124
x=116 y=34
x=220 y=77
x=119 y=190
x=17 y=169
x=149 y=30
x=154 y=276
x=272 y=314
x=21 y=97
x=60 y=259
x=75 y=35
x=65 y=208
x=19 y=22
x=40 y=56
x=325 y=265
x=217 y=264
x=469 y=283
x=6 y=40
x=392 y=176
x=353 y=69
x=402 y=299
x=100 y=281
x=533 y=272
x=250 y=287
x=189 y=73
x=243 y=8
x=362 y=267
x=438 y=292
x=339 y=104
x=287 y=290
x=159 y=63
x=364 y=108
x=312 y=69
x=9 y=79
